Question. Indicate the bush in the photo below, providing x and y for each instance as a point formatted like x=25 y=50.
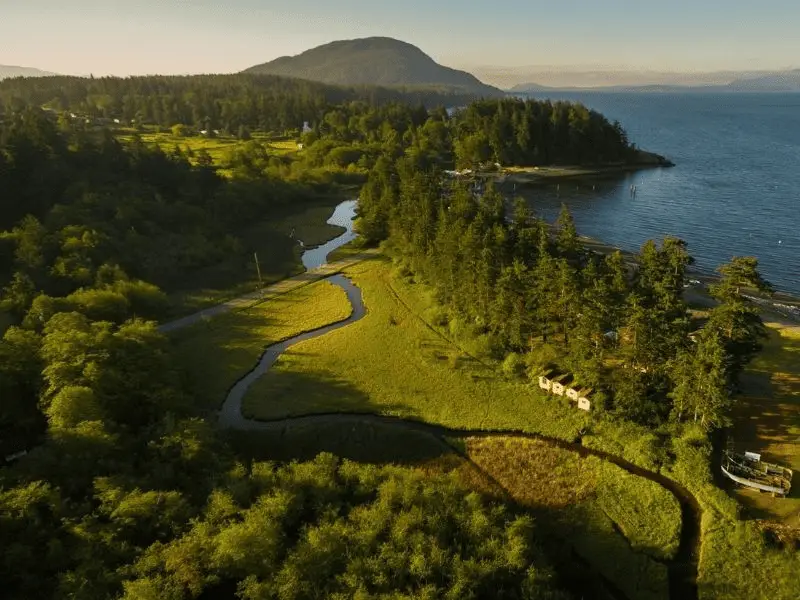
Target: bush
x=513 y=365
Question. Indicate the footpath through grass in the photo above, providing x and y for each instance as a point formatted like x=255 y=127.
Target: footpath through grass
x=217 y=352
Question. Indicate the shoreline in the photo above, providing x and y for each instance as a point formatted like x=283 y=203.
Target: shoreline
x=536 y=174
x=783 y=303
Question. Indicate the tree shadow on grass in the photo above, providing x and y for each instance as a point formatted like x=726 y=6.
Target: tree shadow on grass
x=301 y=415
x=767 y=421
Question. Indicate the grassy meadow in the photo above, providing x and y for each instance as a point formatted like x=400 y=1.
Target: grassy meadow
x=622 y=524
x=216 y=353
x=419 y=375
x=767 y=420
x=393 y=361
x=217 y=147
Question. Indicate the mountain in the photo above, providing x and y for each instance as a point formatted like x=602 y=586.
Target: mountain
x=781 y=81
x=10 y=71
x=374 y=61
x=776 y=81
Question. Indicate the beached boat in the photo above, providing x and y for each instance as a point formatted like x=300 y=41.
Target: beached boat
x=749 y=470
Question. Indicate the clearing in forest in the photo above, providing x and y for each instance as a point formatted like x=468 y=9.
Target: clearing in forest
x=392 y=362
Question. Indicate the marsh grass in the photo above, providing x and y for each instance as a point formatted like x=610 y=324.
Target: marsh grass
x=215 y=353
x=392 y=362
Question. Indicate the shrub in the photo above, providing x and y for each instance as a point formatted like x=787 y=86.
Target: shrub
x=513 y=365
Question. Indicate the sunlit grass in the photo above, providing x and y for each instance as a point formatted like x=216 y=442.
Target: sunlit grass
x=767 y=418
x=217 y=352
x=391 y=362
x=217 y=147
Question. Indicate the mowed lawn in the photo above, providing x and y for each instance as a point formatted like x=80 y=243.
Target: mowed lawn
x=622 y=524
x=390 y=362
x=767 y=419
x=215 y=353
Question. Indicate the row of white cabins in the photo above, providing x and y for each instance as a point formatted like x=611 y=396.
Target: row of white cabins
x=555 y=387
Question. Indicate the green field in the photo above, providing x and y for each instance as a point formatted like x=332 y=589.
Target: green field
x=614 y=518
x=217 y=147
x=393 y=362
x=767 y=419
x=622 y=524
x=215 y=353
x=420 y=374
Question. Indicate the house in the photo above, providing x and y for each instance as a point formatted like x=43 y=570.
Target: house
x=545 y=383
x=572 y=394
x=584 y=404
x=306 y=127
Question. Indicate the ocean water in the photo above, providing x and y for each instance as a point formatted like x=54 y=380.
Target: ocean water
x=735 y=189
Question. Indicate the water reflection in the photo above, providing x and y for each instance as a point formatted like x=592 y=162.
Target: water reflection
x=343 y=215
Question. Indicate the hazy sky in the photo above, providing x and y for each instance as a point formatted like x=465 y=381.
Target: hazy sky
x=191 y=36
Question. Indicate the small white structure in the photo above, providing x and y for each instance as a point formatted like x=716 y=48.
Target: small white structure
x=16 y=455
x=584 y=404
x=116 y=121
x=558 y=388
x=306 y=127
x=572 y=394
x=299 y=145
x=544 y=383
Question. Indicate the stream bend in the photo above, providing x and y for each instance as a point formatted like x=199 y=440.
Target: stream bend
x=682 y=569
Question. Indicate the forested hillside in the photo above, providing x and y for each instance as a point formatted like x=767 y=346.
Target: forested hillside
x=263 y=102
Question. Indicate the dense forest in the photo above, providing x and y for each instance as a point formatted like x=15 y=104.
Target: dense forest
x=509 y=131
x=128 y=491
x=263 y=102
x=543 y=302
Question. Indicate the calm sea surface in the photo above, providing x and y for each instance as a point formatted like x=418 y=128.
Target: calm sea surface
x=735 y=189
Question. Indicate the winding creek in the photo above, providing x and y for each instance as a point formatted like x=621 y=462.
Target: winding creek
x=682 y=570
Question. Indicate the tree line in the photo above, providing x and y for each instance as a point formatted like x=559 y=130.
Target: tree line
x=541 y=301
x=262 y=102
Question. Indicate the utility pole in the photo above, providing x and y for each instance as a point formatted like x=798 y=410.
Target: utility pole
x=258 y=269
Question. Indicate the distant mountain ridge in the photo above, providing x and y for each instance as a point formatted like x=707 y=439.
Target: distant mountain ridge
x=373 y=61
x=7 y=71
x=778 y=81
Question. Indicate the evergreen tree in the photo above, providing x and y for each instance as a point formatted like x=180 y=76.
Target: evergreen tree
x=567 y=241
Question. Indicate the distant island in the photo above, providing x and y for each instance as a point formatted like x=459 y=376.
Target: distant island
x=379 y=61
x=7 y=71
x=779 y=81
